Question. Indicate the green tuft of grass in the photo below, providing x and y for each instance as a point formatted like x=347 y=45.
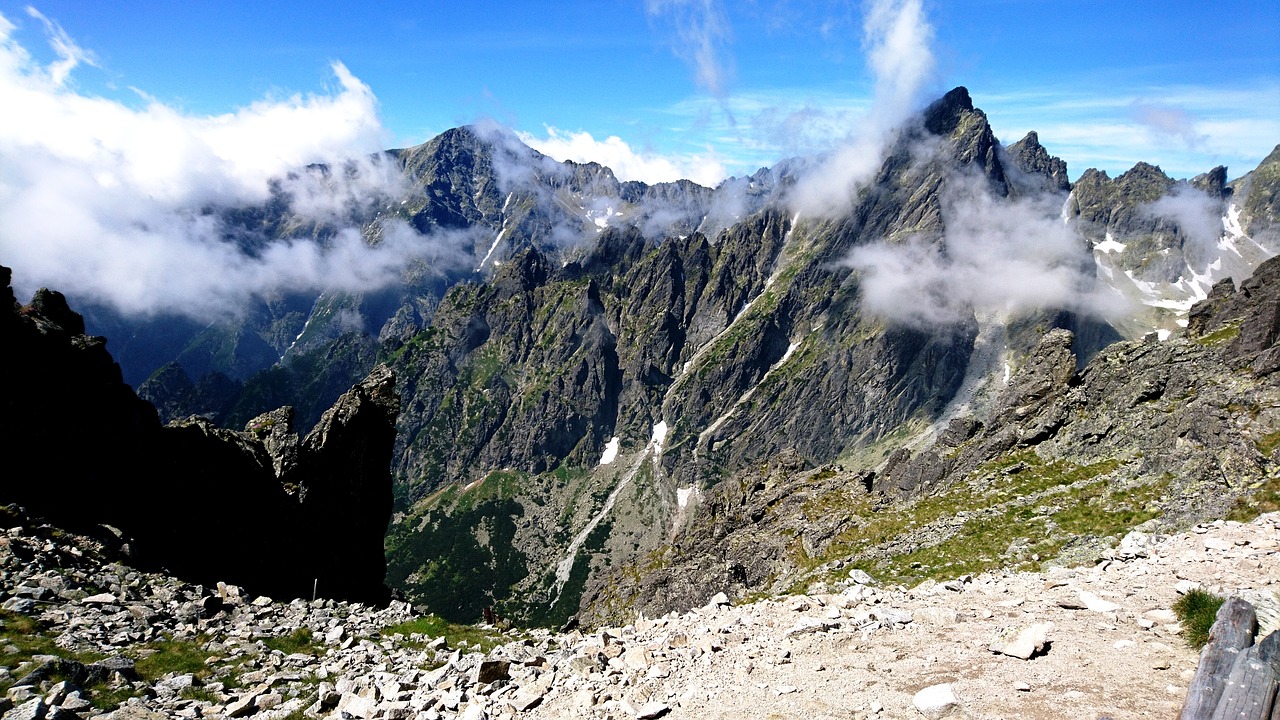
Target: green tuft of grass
x=173 y=656
x=198 y=693
x=299 y=641
x=1223 y=334
x=434 y=626
x=1196 y=611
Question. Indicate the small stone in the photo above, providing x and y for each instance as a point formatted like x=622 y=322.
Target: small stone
x=243 y=706
x=860 y=577
x=652 y=710
x=1021 y=687
x=1097 y=604
x=936 y=701
x=491 y=671
x=1028 y=642
x=807 y=625
x=100 y=599
x=33 y=709
x=1185 y=586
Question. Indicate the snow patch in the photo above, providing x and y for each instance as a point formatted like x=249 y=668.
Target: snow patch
x=659 y=435
x=787 y=355
x=683 y=495
x=1231 y=223
x=492 y=247
x=610 y=451
x=1110 y=245
x=1162 y=334
x=1008 y=372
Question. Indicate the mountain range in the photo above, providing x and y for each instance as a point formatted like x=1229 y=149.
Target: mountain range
x=616 y=395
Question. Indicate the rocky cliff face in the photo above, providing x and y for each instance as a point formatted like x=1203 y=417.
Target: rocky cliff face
x=257 y=507
x=1169 y=432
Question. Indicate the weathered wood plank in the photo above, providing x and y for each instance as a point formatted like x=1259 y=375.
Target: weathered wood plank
x=1250 y=692
x=1233 y=629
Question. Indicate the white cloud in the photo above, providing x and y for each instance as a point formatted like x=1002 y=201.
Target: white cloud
x=996 y=257
x=107 y=202
x=1191 y=129
x=627 y=164
x=897 y=37
x=701 y=31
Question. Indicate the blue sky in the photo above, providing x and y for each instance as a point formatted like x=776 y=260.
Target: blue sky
x=712 y=87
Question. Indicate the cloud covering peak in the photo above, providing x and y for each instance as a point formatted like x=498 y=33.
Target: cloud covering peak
x=110 y=202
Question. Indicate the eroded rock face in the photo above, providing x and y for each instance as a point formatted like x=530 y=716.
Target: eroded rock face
x=257 y=507
x=1189 y=416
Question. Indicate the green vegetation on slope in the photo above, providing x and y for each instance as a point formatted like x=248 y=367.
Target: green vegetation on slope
x=1018 y=512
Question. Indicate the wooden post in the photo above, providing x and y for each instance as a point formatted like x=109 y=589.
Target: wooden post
x=1236 y=679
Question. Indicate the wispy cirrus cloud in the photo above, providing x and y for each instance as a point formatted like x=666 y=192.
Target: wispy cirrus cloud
x=701 y=34
x=1186 y=129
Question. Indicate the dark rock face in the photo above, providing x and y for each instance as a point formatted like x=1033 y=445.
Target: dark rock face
x=257 y=508
x=1187 y=415
x=1258 y=193
x=1039 y=171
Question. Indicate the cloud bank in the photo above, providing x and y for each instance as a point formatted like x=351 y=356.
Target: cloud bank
x=627 y=164
x=997 y=257
x=110 y=202
x=897 y=37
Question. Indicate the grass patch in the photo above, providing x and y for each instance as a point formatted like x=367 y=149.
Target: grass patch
x=1223 y=334
x=299 y=641
x=21 y=638
x=1196 y=611
x=1268 y=443
x=1016 y=512
x=434 y=626
x=173 y=656
x=202 y=694
x=1263 y=498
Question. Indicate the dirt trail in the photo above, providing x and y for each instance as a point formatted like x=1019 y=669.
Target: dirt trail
x=865 y=652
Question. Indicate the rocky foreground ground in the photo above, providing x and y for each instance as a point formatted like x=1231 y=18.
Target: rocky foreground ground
x=85 y=638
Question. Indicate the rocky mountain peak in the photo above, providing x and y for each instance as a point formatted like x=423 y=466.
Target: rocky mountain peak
x=1212 y=183
x=944 y=115
x=1039 y=171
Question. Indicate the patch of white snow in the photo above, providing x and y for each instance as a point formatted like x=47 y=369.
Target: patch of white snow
x=1231 y=223
x=787 y=355
x=659 y=435
x=610 y=451
x=1110 y=245
x=683 y=494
